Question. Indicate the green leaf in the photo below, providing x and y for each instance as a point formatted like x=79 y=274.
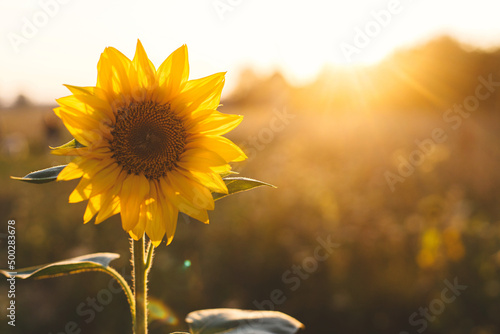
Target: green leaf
x=237 y=184
x=41 y=176
x=89 y=262
x=234 y=321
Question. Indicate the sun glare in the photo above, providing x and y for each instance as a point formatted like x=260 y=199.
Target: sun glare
x=299 y=43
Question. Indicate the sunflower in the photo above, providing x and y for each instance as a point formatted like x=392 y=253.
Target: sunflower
x=150 y=143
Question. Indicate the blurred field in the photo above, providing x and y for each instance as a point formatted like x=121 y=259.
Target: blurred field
x=328 y=147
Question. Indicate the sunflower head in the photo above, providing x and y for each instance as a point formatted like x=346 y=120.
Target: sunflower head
x=151 y=142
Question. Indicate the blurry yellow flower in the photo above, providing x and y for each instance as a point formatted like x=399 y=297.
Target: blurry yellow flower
x=429 y=254
x=152 y=140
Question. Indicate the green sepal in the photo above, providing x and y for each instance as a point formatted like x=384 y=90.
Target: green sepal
x=232 y=321
x=73 y=143
x=89 y=262
x=239 y=183
x=230 y=172
x=41 y=176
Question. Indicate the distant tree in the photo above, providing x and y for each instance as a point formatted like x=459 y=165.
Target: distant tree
x=22 y=102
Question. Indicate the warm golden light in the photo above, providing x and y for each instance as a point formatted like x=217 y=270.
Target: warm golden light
x=296 y=38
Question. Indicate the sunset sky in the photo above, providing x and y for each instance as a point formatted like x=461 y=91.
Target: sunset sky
x=48 y=43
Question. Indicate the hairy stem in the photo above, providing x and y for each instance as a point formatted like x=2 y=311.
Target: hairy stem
x=140 y=287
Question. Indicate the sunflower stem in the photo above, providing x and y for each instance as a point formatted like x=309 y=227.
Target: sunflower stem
x=149 y=257
x=140 y=287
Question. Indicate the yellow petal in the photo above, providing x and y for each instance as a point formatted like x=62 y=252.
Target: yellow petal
x=138 y=231
x=87 y=96
x=144 y=76
x=120 y=65
x=133 y=193
x=75 y=119
x=86 y=136
x=173 y=73
x=110 y=207
x=221 y=169
x=212 y=181
x=93 y=206
x=155 y=226
x=82 y=191
x=200 y=94
x=92 y=182
x=217 y=124
x=192 y=191
x=183 y=204
x=105 y=179
x=78 y=90
x=111 y=77
x=192 y=119
x=80 y=151
x=105 y=74
x=111 y=200
x=71 y=171
x=79 y=163
x=220 y=145
x=200 y=159
x=198 y=214
x=80 y=104
x=169 y=214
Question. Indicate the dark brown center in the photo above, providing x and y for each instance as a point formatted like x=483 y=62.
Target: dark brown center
x=147 y=138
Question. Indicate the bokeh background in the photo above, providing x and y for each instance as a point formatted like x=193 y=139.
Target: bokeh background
x=378 y=121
